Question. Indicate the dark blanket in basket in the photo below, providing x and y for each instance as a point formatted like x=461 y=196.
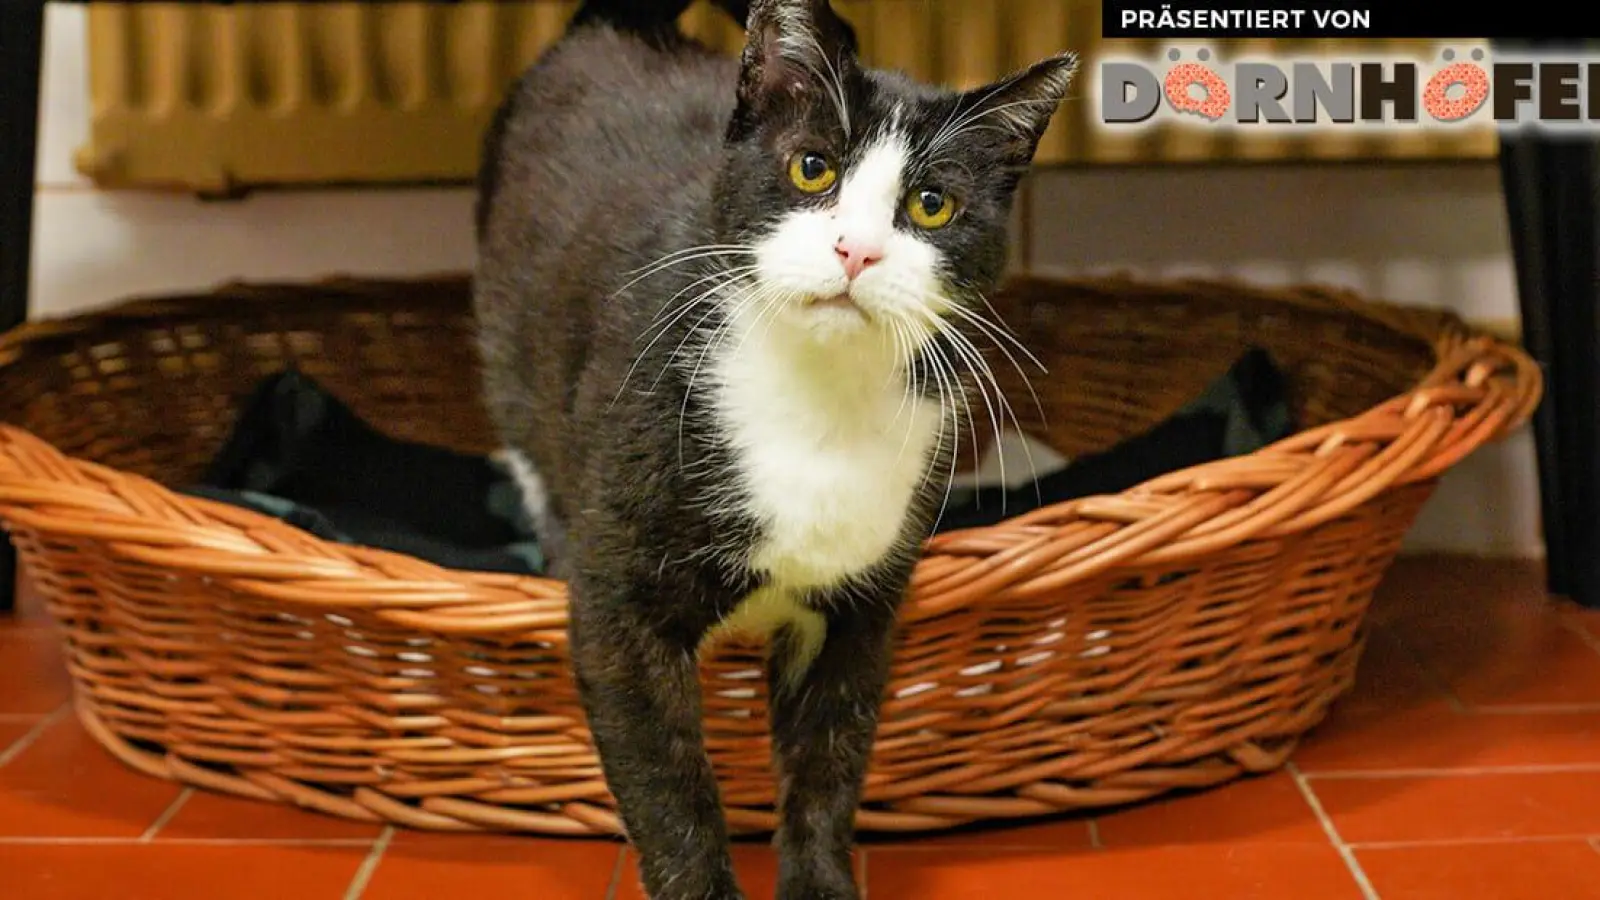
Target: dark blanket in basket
x=1241 y=412
x=300 y=455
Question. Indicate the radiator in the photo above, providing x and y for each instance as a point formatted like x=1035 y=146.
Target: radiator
x=215 y=99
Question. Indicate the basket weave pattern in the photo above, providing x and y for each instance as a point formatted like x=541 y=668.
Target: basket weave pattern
x=1095 y=652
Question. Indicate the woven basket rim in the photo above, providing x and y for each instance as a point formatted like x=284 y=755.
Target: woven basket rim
x=1478 y=390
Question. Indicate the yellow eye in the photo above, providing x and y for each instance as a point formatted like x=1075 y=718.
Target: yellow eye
x=930 y=208
x=812 y=172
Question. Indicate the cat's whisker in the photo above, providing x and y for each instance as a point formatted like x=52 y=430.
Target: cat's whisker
x=672 y=314
x=950 y=133
x=951 y=401
x=943 y=134
x=897 y=351
x=770 y=311
x=961 y=393
x=1006 y=411
x=1000 y=322
x=688 y=394
x=949 y=485
x=731 y=309
x=672 y=260
x=919 y=358
x=945 y=421
x=705 y=296
x=894 y=348
x=955 y=455
x=686 y=251
x=831 y=82
x=996 y=333
x=915 y=389
x=977 y=127
x=966 y=352
x=769 y=298
x=766 y=301
x=971 y=121
x=904 y=349
x=670 y=318
x=937 y=140
x=953 y=163
x=697 y=329
x=667 y=308
x=722 y=257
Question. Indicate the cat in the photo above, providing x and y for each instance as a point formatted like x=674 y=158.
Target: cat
x=719 y=301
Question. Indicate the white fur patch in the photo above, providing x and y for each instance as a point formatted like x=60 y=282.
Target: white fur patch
x=870 y=193
x=762 y=614
x=829 y=449
x=797 y=258
x=829 y=446
x=535 y=497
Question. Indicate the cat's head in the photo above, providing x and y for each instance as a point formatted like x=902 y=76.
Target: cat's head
x=871 y=201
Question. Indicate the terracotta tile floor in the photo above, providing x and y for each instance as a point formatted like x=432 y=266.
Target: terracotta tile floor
x=1465 y=765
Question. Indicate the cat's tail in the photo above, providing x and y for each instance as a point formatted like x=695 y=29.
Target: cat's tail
x=650 y=18
x=658 y=19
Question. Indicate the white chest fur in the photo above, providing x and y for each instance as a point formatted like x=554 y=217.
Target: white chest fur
x=829 y=450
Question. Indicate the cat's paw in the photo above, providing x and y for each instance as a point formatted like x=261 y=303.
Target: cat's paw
x=818 y=888
x=808 y=892
x=698 y=886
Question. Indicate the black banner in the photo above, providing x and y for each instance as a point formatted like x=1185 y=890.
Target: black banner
x=1185 y=19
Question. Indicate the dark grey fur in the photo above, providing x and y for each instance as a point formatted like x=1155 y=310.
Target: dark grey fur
x=624 y=143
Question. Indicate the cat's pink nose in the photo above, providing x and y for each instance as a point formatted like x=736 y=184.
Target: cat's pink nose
x=856 y=256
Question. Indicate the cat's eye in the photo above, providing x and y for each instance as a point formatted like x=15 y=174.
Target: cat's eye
x=812 y=172
x=929 y=208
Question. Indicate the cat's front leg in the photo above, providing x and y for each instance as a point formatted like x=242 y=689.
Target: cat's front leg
x=639 y=683
x=824 y=720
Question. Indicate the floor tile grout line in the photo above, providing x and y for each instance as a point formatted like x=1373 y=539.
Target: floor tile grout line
x=1363 y=883
x=866 y=878
x=1095 y=843
x=363 y=876
x=190 y=842
x=916 y=849
x=1041 y=847
x=617 y=868
x=167 y=815
x=1533 y=709
x=1472 y=842
x=1461 y=772
x=33 y=734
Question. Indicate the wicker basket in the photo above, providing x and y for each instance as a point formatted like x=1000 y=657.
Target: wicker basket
x=1097 y=652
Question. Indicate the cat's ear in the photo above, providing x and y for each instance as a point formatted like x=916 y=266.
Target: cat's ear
x=1021 y=106
x=794 y=49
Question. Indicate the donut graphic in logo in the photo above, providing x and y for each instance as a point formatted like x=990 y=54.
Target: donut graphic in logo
x=1182 y=80
x=1468 y=76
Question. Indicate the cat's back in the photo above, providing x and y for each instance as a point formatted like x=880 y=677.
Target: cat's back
x=600 y=161
x=606 y=129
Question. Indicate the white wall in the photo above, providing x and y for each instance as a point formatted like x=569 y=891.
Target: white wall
x=1429 y=234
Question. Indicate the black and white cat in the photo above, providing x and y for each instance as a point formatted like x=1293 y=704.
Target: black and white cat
x=720 y=304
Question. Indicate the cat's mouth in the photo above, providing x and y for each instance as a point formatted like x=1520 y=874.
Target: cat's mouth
x=841 y=302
